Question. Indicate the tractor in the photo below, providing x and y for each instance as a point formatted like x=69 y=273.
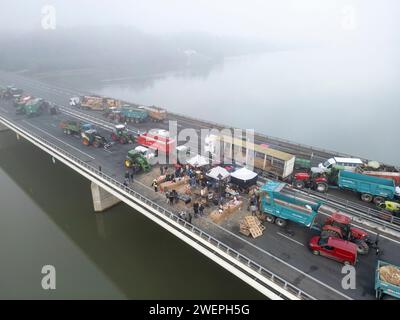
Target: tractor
x=315 y=179
x=91 y=137
x=121 y=134
x=338 y=226
x=137 y=160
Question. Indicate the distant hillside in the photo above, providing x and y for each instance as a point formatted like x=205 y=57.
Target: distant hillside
x=123 y=50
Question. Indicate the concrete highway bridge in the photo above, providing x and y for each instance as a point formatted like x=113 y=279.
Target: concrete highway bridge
x=278 y=264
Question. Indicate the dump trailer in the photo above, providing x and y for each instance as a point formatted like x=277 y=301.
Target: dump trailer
x=133 y=114
x=34 y=107
x=137 y=160
x=370 y=188
x=21 y=101
x=387 y=280
x=280 y=208
x=97 y=102
x=156 y=114
x=71 y=127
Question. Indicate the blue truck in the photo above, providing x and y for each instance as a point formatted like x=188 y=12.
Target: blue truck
x=383 y=287
x=370 y=188
x=280 y=208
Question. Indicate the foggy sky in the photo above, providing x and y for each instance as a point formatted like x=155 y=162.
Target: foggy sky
x=281 y=20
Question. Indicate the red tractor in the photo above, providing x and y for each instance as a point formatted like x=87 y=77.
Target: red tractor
x=315 y=179
x=338 y=226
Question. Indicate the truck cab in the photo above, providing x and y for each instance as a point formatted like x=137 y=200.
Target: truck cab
x=337 y=249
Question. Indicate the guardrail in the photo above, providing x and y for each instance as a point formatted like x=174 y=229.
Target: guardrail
x=386 y=219
x=272 y=138
x=173 y=216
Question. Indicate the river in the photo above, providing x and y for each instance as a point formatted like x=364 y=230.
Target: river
x=342 y=99
x=46 y=218
x=345 y=101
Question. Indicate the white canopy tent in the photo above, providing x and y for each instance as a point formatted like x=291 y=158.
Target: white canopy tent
x=198 y=161
x=217 y=173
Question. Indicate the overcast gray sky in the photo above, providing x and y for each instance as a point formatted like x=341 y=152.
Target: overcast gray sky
x=327 y=20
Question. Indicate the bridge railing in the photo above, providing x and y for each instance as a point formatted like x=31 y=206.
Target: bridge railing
x=380 y=217
x=174 y=217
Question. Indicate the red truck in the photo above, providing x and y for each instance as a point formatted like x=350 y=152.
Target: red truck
x=157 y=139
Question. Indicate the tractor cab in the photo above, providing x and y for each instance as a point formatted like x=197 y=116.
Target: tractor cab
x=136 y=160
x=314 y=179
x=121 y=134
x=339 y=226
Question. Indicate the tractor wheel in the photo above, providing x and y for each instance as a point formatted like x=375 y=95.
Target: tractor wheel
x=114 y=137
x=362 y=247
x=366 y=197
x=322 y=187
x=346 y=263
x=128 y=163
x=280 y=222
x=330 y=233
x=315 y=252
x=378 y=200
x=122 y=140
x=270 y=218
x=299 y=184
x=85 y=142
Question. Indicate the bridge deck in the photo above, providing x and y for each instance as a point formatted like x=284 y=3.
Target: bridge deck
x=284 y=253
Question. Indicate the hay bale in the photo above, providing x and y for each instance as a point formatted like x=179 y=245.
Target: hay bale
x=390 y=274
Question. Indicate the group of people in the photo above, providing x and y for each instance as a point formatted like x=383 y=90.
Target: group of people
x=198 y=209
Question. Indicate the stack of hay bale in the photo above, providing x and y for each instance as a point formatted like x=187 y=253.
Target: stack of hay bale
x=250 y=225
x=390 y=274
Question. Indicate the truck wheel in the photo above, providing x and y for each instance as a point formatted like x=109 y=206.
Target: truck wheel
x=322 y=187
x=280 y=222
x=378 y=200
x=366 y=197
x=362 y=247
x=315 y=252
x=270 y=218
x=299 y=184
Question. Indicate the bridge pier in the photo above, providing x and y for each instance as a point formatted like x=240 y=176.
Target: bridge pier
x=102 y=200
x=3 y=127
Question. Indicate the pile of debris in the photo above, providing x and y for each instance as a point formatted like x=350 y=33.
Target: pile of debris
x=250 y=225
x=390 y=274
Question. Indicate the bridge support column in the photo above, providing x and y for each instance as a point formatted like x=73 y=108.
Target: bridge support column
x=3 y=127
x=102 y=200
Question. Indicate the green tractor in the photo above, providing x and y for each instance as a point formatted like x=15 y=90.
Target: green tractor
x=92 y=138
x=121 y=134
x=136 y=160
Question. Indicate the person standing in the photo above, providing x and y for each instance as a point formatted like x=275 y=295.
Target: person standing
x=127 y=175
x=196 y=209
x=155 y=185
x=161 y=170
x=201 y=209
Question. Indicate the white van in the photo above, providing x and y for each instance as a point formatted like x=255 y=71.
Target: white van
x=347 y=163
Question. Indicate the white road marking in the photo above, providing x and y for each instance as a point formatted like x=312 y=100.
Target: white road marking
x=286 y=263
x=58 y=139
x=289 y=238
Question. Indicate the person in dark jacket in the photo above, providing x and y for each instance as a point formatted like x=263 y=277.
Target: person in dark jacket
x=196 y=209
x=201 y=209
